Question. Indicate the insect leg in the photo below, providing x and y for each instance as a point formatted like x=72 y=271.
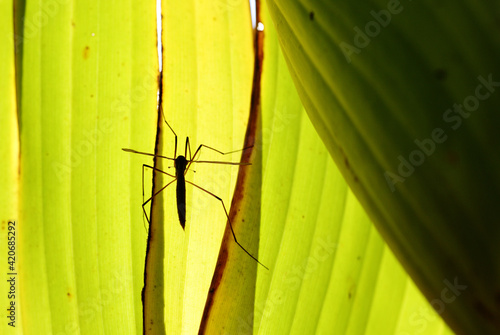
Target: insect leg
x=164 y=119
x=151 y=198
x=228 y=220
x=220 y=152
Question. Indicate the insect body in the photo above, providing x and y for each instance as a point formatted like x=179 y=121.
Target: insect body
x=180 y=168
x=182 y=164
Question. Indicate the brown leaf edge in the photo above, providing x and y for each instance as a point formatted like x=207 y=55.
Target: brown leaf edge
x=238 y=196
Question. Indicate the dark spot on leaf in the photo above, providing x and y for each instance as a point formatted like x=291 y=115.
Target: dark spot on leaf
x=440 y=74
x=86 y=52
x=351 y=291
x=311 y=16
x=348 y=166
x=485 y=312
x=453 y=157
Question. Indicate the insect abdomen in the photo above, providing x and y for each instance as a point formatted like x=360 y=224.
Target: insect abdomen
x=181 y=199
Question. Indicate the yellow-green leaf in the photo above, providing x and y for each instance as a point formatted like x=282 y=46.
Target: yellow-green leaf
x=9 y=178
x=88 y=88
x=208 y=67
x=88 y=85
x=408 y=111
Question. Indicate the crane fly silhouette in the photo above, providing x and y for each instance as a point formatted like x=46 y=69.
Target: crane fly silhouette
x=181 y=165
